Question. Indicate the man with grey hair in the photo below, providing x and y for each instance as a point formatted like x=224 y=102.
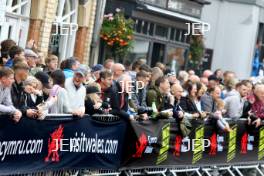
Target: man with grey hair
x=118 y=70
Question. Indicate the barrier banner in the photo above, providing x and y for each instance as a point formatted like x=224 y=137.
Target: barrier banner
x=31 y=145
x=160 y=144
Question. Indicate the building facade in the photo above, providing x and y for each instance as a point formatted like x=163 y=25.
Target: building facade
x=62 y=27
x=236 y=26
x=160 y=26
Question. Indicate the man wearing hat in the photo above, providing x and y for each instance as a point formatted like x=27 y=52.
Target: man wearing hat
x=76 y=91
x=31 y=58
x=96 y=71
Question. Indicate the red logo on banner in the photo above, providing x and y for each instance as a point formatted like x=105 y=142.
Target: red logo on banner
x=141 y=145
x=177 y=146
x=54 y=145
x=213 y=147
x=244 y=143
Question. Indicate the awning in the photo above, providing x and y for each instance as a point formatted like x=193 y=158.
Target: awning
x=172 y=14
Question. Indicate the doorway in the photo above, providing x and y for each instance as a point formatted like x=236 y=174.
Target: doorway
x=158 y=53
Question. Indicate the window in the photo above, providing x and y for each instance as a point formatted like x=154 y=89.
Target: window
x=161 y=31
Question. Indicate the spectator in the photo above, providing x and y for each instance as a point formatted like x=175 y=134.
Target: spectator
x=160 y=96
x=106 y=82
x=5 y=47
x=234 y=103
x=6 y=106
x=219 y=74
x=69 y=66
x=212 y=81
x=156 y=73
x=228 y=75
x=61 y=103
x=108 y=63
x=135 y=69
x=256 y=113
x=14 y=51
x=33 y=94
x=178 y=113
x=207 y=73
x=45 y=83
x=171 y=76
x=96 y=71
x=138 y=97
x=31 y=58
x=76 y=91
x=117 y=96
x=191 y=72
x=19 y=96
x=194 y=78
x=118 y=70
x=190 y=104
x=51 y=64
x=93 y=102
x=161 y=66
x=230 y=88
x=208 y=100
x=183 y=76
x=204 y=81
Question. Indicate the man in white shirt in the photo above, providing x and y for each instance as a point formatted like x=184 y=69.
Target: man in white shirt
x=234 y=103
x=76 y=91
x=6 y=105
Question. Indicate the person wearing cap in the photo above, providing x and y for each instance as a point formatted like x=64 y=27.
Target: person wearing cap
x=171 y=75
x=96 y=71
x=93 y=102
x=76 y=91
x=31 y=58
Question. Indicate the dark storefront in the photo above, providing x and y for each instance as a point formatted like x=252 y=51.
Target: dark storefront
x=160 y=26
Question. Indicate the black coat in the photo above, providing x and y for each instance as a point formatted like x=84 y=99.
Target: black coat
x=113 y=97
x=188 y=105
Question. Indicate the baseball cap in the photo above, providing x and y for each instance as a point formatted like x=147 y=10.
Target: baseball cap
x=82 y=70
x=30 y=53
x=92 y=89
x=97 y=67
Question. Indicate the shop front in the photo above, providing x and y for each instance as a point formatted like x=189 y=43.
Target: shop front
x=160 y=29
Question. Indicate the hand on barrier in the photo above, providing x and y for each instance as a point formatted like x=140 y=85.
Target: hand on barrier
x=17 y=116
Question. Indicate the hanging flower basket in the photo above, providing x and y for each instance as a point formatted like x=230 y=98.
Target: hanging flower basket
x=117 y=33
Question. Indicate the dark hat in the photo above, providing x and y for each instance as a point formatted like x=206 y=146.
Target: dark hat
x=92 y=89
x=97 y=67
x=213 y=78
x=43 y=78
x=82 y=71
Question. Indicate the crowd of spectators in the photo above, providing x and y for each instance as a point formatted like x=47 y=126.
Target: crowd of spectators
x=33 y=87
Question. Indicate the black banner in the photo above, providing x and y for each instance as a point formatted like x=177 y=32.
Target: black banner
x=32 y=145
x=160 y=144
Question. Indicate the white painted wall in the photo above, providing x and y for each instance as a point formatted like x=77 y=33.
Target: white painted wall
x=233 y=34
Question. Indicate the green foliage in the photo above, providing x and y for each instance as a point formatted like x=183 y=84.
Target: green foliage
x=196 y=52
x=117 y=33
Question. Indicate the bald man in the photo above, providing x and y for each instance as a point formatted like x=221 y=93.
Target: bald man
x=177 y=91
x=118 y=70
x=207 y=73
